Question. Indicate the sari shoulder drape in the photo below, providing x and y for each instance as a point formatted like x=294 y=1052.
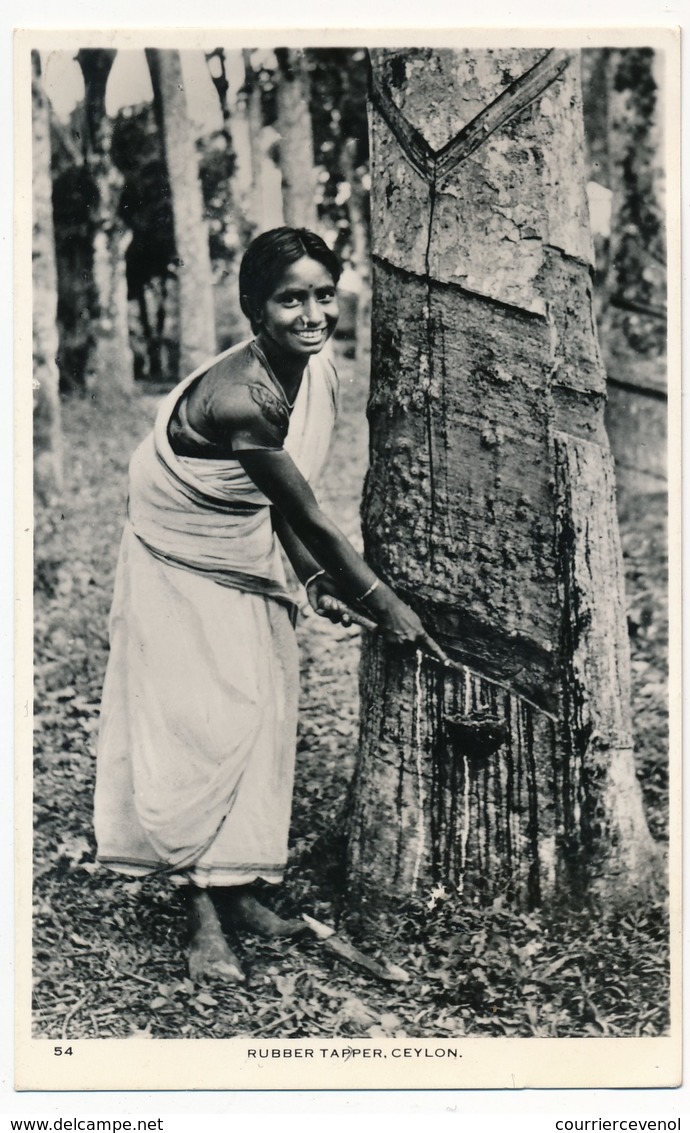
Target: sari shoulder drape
x=206 y=515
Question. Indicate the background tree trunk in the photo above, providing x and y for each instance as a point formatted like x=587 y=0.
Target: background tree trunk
x=489 y=503
x=109 y=365
x=247 y=135
x=197 y=329
x=360 y=247
x=46 y=400
x=296 y=144
x=241 y=136
x=633 y=321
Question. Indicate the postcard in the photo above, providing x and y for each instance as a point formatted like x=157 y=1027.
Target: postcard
x=348 y=684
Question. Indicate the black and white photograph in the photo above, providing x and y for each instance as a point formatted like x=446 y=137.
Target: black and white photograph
x=355 y=404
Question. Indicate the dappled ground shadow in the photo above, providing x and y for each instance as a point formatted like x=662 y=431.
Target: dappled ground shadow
x=109 y=959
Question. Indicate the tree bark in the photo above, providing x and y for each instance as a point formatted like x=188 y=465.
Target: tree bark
x=197 y=328
x=633 y=321
x=46 y=378
x=109 y=366
x=247 y=126
x=296 y=141
x=489 y=503
x=360 y=248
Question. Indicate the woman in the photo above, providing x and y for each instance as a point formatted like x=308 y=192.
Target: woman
x=198 y=722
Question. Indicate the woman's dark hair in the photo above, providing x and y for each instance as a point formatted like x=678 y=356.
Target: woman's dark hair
x=268 y=257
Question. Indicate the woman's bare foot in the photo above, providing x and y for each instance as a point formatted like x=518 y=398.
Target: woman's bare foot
x=245 y=909
x=210 y=955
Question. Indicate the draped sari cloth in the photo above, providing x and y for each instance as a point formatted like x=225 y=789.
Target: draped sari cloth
x=198 y=718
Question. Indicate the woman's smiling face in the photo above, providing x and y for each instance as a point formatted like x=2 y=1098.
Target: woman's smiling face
x=301 y=313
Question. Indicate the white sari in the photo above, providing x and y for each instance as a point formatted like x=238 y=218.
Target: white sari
x=199 y=711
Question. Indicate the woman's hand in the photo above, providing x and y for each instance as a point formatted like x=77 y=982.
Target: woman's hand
x=322 y=594
x=394 y=619
x=398 y=623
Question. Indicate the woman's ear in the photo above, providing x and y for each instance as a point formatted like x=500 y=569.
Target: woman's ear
x=249 y=311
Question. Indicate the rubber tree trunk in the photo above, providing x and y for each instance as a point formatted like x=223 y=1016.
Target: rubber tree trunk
x=296 y=141
x=633 y=321
x=265 y=204
x=109 y=366
x=195 y=285
x=489 y=503
x=46 y=378
x=247 y=127
x=360 y=247
x=241 y=135
x=238 y=227
x=594 y=66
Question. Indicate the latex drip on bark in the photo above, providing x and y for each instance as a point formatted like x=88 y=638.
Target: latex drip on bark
x=430 y=349
x=467 y=786
x=421 y=836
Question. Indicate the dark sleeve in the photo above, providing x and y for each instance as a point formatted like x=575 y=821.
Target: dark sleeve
x=256 y=419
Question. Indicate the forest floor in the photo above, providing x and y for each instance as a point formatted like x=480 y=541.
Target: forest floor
x=109 y=951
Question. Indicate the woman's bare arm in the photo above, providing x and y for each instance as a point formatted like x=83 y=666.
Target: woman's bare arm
x=277 y=476
x=322 y=592
x=303 y=563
